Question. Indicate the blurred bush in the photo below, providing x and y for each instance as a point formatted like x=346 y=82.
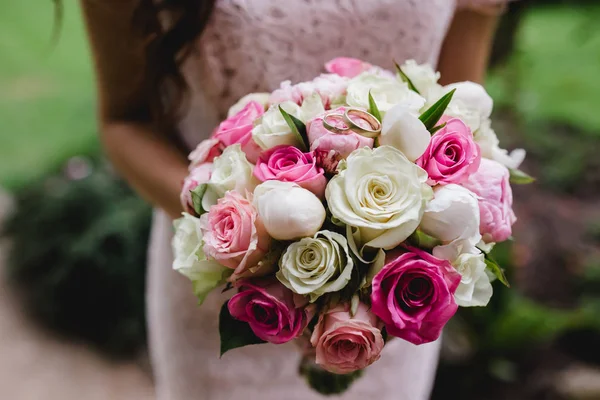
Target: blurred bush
x=78 y=256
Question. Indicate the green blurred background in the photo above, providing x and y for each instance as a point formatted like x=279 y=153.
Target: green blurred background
x=534 y=340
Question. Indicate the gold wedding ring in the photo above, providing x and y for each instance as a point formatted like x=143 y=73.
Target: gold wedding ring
x=329 y=121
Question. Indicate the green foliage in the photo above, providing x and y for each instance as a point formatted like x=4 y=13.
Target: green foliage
x=78 y=259
x=432 y=115
x=297 y=127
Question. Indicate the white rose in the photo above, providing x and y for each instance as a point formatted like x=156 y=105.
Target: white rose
x=475 y=288
x=231 y=171
x=262 y=98
x=272 y=130
x=189 y=259
x=288 y=211
x=489 y=145
x=317 y=265
x=380 y=193
x=473 y=97
x=404 y=131
x=387 y=92
x=422 y=76
x=452 y=217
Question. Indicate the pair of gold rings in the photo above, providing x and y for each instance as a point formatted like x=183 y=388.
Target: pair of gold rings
x=330 y=121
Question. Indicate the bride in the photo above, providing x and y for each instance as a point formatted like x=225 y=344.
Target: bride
x=168 y=70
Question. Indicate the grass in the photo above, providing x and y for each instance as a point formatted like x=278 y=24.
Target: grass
x=46 y=92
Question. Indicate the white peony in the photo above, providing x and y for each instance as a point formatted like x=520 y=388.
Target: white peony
x=231 y=171
x=189 y=259
x=262 y=98
x=381 y=194
x=490 y=147
x=316 y=265
x=475 y=288
x=404 y=131
x=288 y=211
x=423 y=77
x=452 y=217
x=272 y=130
x=473 y=97
x=386 y=91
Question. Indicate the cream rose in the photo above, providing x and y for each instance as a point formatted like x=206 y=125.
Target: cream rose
x=272 y=130
x=318 y=265
x=190 y=261
x=380 y=193
x=231 y=171
x=386 y=91
x=475 y=288
x=288 y=211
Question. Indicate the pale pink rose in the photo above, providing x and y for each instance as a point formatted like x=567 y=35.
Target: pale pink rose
x=238 y=129
x=347 y=67
x=345 y=343
x=199 y=175
x=234 y=235
x=206 y=151
x=322 y=140
x=275 y=313
x=452 y=155
x=289 y=164
x=414 y=295
x=491 y=184
x=330 y=87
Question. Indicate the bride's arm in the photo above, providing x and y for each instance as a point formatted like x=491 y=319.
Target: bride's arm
x=466 y=49
x=144 y=157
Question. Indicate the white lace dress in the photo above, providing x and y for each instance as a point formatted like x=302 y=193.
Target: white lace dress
x=251 y=46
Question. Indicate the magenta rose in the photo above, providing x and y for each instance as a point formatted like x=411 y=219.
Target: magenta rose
x=275 y=313
x=346 y=343
x=452 y=155
x=414 y=295
x=238 y=129
x=324 y=141
x=199 y=175
x=347 y=67
x=234 y=235
x=206 y=151
x=491 y=184
x=289 y=164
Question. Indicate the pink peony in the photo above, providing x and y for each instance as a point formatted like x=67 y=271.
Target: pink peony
x=234 y=235
x=199 y=175
x=238 y=129
x=414 y=295
x=491 y=184
x=289 y=164
x=325 y=141
x=347 y=67
x=275 y=313
x=452 y=154
x=344 y=343
x=330 y=87
x=206 y=151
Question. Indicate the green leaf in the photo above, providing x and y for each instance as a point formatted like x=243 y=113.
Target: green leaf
x=234 y=333
x=437 y=128
x=422 y=240
x=405 y=78
x=433 y=114
x=197 y=195
x=373 y=109
x=496 y=269
x=519 y=177
x=298 y=127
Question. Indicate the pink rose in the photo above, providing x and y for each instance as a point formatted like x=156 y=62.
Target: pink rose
x=330 y=87
x=491 y=184
x=289 y=164
x=275 y=313
x=414 y=295
x=199 y=175
x=347 y=67
x=323 y=140
x=452 y=154
x=344 y=343
x=234 y=235
x=238 y=129
x=206 y=151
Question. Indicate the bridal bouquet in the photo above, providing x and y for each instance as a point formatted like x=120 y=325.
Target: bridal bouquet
x=348 y=210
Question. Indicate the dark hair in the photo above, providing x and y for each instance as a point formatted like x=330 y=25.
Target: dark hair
x=167 y=48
